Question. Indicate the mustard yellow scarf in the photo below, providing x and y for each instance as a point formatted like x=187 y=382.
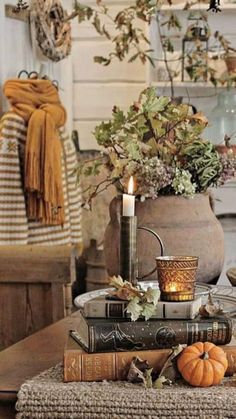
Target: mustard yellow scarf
x=38 y=103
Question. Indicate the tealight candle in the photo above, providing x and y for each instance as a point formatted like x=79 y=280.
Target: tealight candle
x=172 y=288
x=129 y=200
x=177 y=277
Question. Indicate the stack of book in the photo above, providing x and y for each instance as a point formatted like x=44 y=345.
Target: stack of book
x=106 y=340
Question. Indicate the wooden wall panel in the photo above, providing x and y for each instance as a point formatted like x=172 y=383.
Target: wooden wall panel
x=84 y=68
x=85 y=130
x=98 y=88
x=86 y=30
x=95 y=101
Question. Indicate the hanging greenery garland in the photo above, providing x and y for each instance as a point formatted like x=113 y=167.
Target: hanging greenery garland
x=51 y=28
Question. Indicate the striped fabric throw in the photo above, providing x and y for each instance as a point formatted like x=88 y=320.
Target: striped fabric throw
x=15 y=228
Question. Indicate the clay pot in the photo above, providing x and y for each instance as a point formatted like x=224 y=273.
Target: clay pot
x=230 y=61
x=186 y=226
x=222 y=149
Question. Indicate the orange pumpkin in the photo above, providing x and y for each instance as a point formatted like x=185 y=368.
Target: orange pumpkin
x=202 y=364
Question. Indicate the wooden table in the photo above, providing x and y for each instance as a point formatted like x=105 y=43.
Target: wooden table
x=28 y=358
x=35 y=354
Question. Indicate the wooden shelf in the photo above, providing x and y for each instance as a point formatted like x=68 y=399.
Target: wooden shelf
x=199 y=6
x=186 y=84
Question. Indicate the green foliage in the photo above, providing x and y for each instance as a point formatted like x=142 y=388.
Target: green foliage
x=160 y=144
x=201 y=158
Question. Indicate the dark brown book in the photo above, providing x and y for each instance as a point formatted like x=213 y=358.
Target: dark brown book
x=82 y=366
x=107 y=335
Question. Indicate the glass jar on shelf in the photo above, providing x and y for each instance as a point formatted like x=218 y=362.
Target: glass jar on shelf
x=222 y=119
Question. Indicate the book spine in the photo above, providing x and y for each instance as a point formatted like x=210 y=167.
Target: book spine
x=116 y=309
x=105 y=309
x=156 y=334
x=81 y=366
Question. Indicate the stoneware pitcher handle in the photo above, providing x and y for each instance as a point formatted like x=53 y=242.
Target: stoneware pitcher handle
x=161 y=246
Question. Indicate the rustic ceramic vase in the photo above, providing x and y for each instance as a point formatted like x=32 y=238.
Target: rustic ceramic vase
x=187 y=226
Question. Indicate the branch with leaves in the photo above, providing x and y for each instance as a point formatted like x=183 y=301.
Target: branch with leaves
x=160 y=144
x=128 y=37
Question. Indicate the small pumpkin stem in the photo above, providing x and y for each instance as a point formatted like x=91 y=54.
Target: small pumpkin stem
x=205 y=355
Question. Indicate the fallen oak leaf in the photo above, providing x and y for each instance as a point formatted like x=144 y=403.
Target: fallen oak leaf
x=148 y=378
x=211 y=308
x=169 y=369
x=136 y=370
x=160 y=382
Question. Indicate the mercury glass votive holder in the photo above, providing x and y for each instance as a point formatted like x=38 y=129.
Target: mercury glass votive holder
x=177 y=277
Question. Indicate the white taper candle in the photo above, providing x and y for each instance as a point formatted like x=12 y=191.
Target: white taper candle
x=129 y=200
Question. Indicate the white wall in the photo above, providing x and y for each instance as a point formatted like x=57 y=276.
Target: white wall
x=98 y=88
x=16 y=54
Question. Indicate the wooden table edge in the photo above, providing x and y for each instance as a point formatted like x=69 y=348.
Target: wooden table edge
x=18 y=362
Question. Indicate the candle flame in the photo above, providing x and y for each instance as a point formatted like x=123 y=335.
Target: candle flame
x=173 y=288
x=131 y=186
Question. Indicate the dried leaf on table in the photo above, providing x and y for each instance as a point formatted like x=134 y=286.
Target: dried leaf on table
x=211 y=308
x=160 y=382
x=148 y=378
x=140 y=371
x=169 y=369
x=137 y=370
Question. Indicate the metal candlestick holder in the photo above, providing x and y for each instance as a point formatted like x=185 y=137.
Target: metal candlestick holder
x=128 y=249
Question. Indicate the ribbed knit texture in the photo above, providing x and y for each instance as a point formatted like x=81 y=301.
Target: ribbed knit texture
x=15 y=228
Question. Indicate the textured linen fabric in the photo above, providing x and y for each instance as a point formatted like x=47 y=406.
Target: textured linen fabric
x=15 y=228
x=47 y=397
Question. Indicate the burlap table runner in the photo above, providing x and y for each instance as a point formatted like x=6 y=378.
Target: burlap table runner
x=47 y=397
